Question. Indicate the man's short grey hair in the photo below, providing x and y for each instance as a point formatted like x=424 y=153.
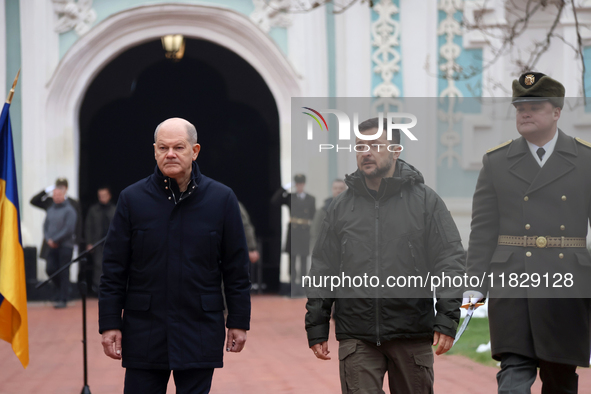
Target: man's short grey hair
x=191 y=132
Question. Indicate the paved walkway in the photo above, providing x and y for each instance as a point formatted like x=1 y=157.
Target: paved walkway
x=276 y=358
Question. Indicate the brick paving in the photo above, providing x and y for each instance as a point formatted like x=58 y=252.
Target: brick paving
x=276 y=358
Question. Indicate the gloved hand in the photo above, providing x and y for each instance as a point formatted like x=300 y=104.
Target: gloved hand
x=49 y=189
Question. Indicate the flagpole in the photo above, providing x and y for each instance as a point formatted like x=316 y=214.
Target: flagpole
x=11 y=93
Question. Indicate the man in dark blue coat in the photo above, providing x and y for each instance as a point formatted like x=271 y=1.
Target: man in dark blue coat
x=174 y=236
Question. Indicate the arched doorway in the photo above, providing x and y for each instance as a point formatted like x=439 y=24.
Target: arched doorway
x=215 y=89
x=103 y=43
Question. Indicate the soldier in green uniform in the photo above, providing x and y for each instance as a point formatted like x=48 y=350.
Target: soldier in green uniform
x=530 y=214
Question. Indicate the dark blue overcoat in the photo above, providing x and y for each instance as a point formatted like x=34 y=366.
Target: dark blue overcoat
x=164 y=260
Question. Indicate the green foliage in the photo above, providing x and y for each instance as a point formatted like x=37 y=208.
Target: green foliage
x=476 y=334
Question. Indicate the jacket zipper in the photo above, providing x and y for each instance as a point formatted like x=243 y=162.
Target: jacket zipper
x=377 y=210
x=414 y=259
x=343 y=255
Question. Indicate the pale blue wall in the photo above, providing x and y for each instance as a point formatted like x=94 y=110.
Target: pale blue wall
x=457 y=182
x=587 y=57
x=105 y=8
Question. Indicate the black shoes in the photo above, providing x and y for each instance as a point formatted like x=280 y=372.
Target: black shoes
x=60 y=305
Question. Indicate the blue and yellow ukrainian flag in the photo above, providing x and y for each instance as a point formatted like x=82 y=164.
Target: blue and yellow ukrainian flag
x=13 y=292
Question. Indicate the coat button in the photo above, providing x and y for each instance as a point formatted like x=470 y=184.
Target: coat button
x=169 y=198
x=193 y=187
x=563 y=198
x=561 y=255
x=525 y=198
x=527 y=226
x=166 y=180
x=528 y=254
x=166 y=187
x=562 y=227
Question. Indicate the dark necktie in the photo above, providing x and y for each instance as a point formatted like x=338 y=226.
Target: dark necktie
x=540 y=153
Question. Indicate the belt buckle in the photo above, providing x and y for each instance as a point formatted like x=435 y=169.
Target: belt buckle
x=541 y=242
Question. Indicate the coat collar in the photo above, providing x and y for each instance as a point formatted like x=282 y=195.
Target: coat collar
x=168 y=185
x=524 y=166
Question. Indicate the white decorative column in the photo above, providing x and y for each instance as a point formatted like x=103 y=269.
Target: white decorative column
x=450 y=51
x=385 y=34
x=419 y=55
x=46 y=155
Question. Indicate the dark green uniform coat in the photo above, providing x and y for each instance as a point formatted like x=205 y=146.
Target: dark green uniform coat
x=514 y=196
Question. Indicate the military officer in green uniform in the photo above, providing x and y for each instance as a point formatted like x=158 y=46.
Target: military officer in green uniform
x=531 y=210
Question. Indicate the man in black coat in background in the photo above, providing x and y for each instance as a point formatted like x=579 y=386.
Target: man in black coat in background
x=530 y=215
x=174 y=235
x=302 y=209
x=97 y=223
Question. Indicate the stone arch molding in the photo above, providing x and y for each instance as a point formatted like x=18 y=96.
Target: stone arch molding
x=225 y=27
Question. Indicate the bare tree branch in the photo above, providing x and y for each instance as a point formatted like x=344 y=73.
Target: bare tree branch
x=580 y=51
x=544 y=47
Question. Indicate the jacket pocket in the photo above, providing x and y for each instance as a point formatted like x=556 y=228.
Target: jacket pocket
x=137 y=325
x=501 y=256
x=320 y=242
x=447 y=227
x=584 y=259
x=210 y=326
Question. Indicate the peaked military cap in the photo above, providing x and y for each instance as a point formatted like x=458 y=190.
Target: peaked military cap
x=299 y=178
x=533 y=86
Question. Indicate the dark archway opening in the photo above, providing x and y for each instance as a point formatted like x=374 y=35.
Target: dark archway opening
x=212 y=87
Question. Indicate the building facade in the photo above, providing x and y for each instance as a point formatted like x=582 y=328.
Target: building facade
x=94 y=82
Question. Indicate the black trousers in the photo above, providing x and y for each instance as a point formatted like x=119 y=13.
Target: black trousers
x=155 y=381
x=57 y=258
x=298 y=264
x=518 y=373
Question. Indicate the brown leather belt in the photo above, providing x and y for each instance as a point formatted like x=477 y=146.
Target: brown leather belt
x=542 y=242
x=304 y=222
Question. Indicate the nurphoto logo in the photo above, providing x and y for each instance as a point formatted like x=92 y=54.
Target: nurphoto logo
x=344 y=128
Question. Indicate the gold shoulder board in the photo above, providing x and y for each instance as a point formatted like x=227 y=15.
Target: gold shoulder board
x=499 y=146
x=583 y=142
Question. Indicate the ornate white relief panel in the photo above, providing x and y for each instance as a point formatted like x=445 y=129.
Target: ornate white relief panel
x=74 y=14
x=450 y=51
x=385 y=32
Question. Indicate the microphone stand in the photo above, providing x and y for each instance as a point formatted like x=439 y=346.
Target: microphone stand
x=82 y=258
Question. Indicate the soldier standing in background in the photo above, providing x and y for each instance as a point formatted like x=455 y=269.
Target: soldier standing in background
x=96 y=227
x=302 y=207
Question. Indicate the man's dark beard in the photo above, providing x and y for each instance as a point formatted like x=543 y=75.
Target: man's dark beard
x=379 y=172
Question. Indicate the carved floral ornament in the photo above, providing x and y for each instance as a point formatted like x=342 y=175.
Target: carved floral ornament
x=74 y=14
x=271 y=13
